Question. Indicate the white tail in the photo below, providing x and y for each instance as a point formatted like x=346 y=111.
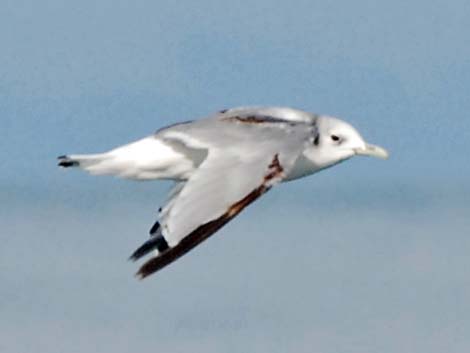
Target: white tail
x=87 y=162
x=145 y=159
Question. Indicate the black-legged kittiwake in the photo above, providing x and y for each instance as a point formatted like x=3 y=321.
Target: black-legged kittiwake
x=220 y=165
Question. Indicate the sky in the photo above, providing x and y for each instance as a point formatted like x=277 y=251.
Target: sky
x=367 y=256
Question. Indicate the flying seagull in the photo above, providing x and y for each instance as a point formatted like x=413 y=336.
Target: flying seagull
x=220 y=165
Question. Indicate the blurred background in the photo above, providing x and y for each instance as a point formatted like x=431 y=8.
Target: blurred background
x=369 y=256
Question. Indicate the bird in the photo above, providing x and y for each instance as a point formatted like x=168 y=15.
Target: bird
x=220 y=164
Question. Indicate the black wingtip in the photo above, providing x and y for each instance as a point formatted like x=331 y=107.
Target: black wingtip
x=65 y=162
x=151 y=266
x=156 y=242
x=154 y=228
x=143 y=250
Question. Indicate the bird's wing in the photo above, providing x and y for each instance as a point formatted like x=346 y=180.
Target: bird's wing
x=227 y=180
x=268 y=115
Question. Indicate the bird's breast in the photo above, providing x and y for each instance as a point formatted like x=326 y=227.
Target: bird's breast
x=302 y=167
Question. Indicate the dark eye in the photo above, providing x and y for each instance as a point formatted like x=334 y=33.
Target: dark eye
x=335 y=138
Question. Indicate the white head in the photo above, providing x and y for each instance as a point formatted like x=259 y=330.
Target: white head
x=337 y=141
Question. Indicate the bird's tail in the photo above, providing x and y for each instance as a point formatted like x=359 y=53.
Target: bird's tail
x=87 y=162
x=145 y=159
x=107 y=163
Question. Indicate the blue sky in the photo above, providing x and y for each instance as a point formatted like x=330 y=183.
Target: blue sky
x=367 y=256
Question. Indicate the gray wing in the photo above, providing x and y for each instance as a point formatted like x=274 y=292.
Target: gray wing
x=243 y=161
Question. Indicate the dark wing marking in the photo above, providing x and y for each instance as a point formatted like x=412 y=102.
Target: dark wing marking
x=173 y=125
x=65 y=162
x=198 y=235
x=155 y=242
x=204 y=231
x=155 y=227
x=257 y=119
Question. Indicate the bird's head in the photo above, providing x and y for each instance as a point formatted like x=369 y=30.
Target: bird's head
x=337 y=141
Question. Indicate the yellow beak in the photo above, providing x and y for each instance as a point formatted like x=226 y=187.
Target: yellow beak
x=372 y=151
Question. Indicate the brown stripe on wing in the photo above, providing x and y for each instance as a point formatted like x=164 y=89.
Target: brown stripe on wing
x=257 y=119
x=204 y=231
x=198 y=236
x=275 y=169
